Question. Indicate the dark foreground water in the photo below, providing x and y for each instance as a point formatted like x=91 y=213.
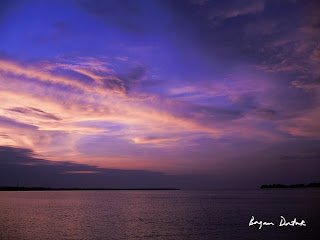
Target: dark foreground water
x=158 y=214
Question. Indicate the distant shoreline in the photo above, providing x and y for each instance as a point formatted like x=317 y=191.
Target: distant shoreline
x=82 y=189
x=310 y=185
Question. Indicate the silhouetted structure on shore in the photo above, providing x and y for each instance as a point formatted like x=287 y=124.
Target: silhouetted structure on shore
x=310 y=185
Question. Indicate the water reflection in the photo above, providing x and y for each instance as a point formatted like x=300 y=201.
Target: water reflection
x=155 y=214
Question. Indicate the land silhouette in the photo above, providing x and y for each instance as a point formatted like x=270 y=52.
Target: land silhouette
x=310 y=185
x=79 y=189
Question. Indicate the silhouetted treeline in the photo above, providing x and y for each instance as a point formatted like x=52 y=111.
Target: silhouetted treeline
x=76 y=189
x=292 y=186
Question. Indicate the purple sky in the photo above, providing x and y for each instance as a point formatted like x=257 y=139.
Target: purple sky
x=175 y=93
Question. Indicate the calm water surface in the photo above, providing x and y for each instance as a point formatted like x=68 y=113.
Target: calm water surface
x=158 y=214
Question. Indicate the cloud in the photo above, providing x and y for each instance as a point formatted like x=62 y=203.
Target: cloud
x=244 y=8
x=133 y=77
x=230 y=9
x=34 y=111
x=305 y=125
x=155 y=140
x=24 y=168
x=12 y=68
x=79 y=172
x=86 y=74
x=52 y=114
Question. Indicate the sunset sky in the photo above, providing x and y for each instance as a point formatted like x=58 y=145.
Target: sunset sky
x=173 y=93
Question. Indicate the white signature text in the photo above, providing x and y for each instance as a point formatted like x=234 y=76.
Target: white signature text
x=283 y=223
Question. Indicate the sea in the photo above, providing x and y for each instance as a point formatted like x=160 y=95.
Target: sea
x=182 y=214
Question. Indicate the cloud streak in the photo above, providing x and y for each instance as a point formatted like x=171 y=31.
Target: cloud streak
x=43 y=116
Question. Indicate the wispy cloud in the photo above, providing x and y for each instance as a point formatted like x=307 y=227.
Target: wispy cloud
x=229 y=9
x=51 y=110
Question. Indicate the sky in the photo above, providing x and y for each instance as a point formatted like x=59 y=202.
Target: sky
x=162 y=93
